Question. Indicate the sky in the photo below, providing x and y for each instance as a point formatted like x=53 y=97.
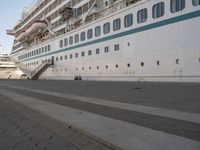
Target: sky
x=10 y=13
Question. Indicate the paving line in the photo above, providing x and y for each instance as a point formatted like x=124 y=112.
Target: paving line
x=122 y=134
x=186 y=116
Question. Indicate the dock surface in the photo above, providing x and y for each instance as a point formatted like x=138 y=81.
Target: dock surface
x=89 y=115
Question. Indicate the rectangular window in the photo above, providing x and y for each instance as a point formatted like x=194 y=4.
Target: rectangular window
x=76 y=38
x=97 y=31
x=97 y=51
x=116 y=47
x=158 y=10
x=82 y=54
x=76 y=55
x=89 y=52
x=177 y=5
x=49 y=48
x=89 y=34
x=106 y=49
x=61 y=44
x=116 y=24
x=70 y=56
x=65 y=41
x=65 y=57
x=71 y=40
x=46 y=49
x=106 y=28
x=196 y=2
x=61 y=58
x=128 y=20
x=142 y=15
x=42 y=49
x=82 y=36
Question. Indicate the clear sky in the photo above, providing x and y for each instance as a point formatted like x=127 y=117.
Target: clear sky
x=10 y=13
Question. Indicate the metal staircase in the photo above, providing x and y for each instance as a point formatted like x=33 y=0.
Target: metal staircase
x=40 y=69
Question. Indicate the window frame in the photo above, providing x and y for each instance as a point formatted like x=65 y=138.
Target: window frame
x=117 y=24
x=127 y=22
x=158 y=10
x=66 y=42
x=106 y=28
x=97 y=31
x=89 y=34
x=60 y=44
x=195 y=2
x=76 y=37
x=71 y=40
x=142 y=15
x=174 y=7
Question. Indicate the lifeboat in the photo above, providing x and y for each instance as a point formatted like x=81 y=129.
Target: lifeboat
x=21 y=36
x=36 y=27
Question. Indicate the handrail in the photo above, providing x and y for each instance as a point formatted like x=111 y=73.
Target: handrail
x=42 y=65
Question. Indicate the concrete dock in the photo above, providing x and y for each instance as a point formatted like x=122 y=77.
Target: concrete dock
x=89 y=115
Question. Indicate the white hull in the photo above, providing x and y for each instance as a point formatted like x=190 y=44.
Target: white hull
x=168 y=48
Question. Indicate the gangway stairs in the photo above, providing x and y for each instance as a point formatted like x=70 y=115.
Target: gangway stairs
x=40 y=69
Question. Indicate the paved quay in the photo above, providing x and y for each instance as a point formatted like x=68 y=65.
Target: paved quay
x=102 y=115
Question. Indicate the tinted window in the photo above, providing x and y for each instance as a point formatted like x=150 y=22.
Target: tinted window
x=158 y=10
x=82 y=36
x=142 y=15
x=49 y=48
x=89 y=34
x=61 y=44
x=71 y=40
x=82 y=54
x=65 y=41
x=97 y=51
x=177 y=5
x=106 y=28
x=76 y=38
x=128 y=20
x=196 y=2
x=97 y=31
x=117 y=24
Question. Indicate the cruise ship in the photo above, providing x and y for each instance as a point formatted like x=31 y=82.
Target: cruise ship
x=120 y=40
x=8 y=70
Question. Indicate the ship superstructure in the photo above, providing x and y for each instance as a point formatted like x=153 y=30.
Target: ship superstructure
x=137 y=40
x=8 y=70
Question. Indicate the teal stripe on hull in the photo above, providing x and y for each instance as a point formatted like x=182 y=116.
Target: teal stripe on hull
x=132 y=31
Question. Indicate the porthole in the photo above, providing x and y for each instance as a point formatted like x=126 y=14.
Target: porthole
x=97 y=67
x=116 y=65
x=158 y=62
x=106 y=66
x=142 y=64
x=128 y=65
x=177 y=61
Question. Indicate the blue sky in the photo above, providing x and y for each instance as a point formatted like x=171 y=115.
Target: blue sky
x=10 y=13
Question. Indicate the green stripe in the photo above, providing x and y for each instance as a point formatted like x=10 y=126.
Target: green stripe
x=132 y=31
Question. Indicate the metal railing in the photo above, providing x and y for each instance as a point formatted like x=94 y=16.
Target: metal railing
x=40 y=67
